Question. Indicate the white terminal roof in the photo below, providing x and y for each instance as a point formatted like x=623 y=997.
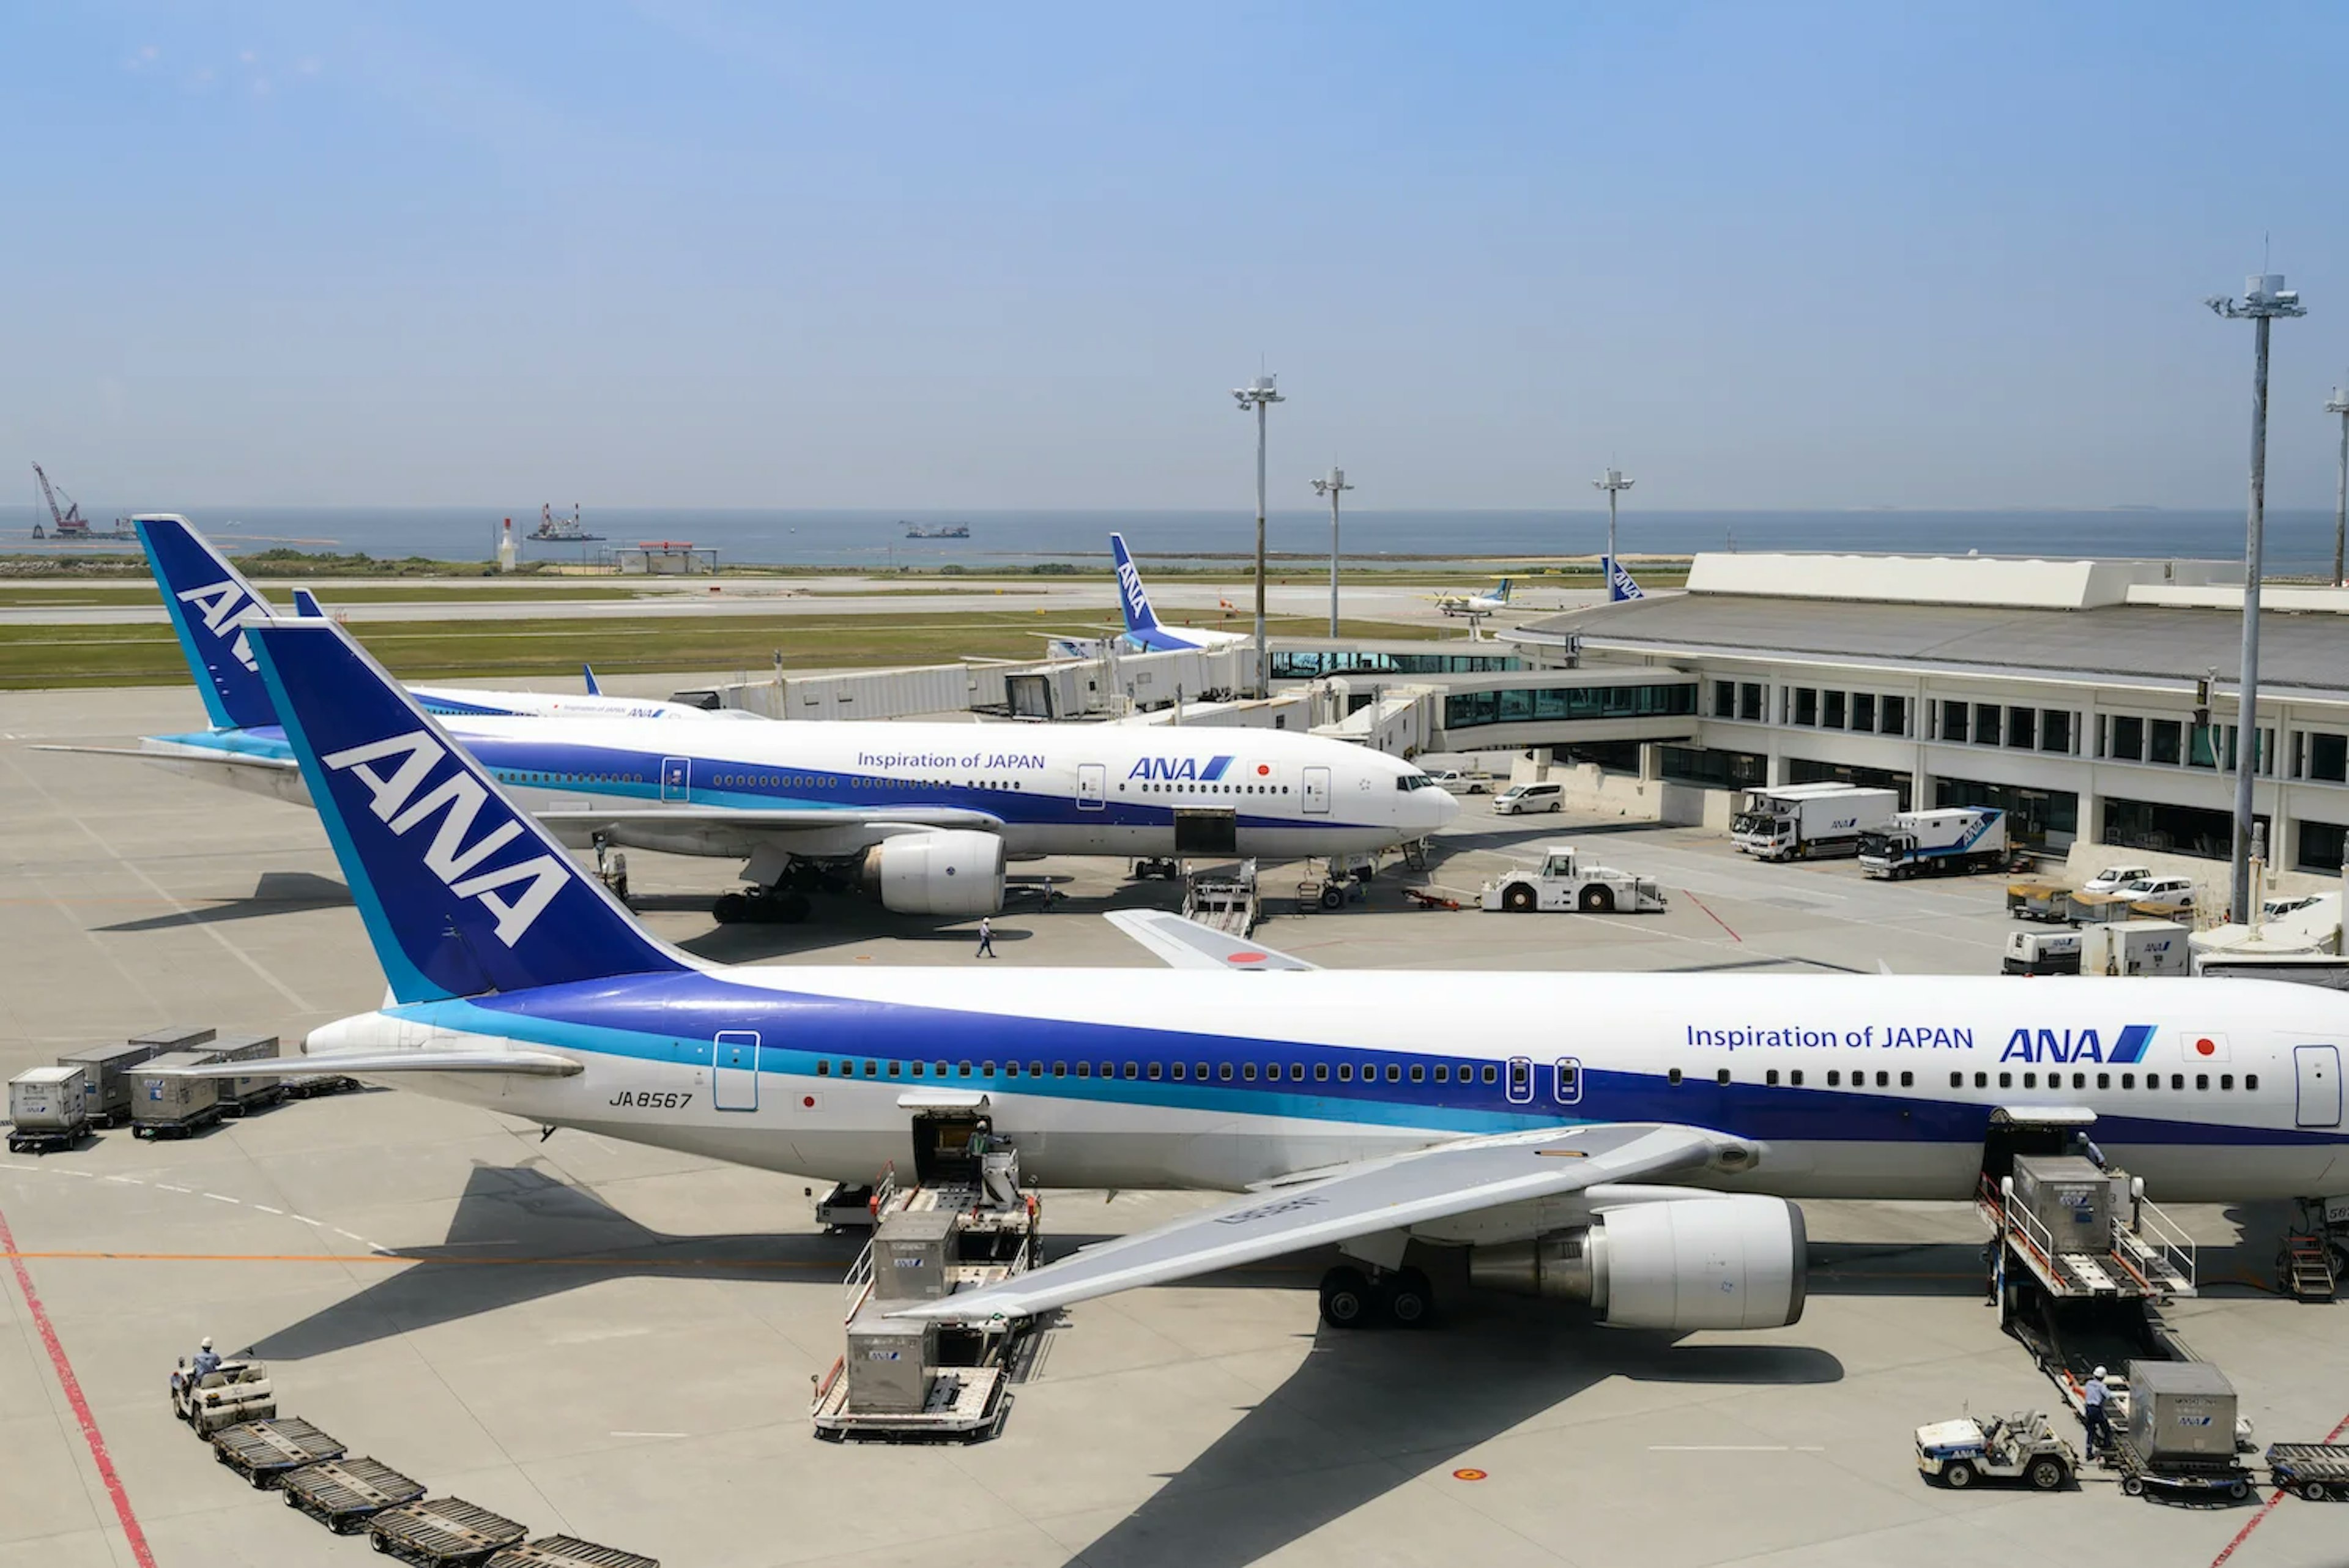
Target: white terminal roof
x=2107 y=623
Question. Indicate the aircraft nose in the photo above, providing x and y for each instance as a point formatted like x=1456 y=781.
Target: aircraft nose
x=1443 y=805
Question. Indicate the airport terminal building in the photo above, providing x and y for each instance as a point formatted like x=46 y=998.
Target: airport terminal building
x=2094 y=701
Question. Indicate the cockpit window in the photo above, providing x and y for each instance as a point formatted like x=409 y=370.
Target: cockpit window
x=1414 y=781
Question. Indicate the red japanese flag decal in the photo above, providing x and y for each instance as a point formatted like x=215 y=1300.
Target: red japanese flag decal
x=2202 y=1047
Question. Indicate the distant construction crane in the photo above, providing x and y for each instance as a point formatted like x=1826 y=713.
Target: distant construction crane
x=68 y=523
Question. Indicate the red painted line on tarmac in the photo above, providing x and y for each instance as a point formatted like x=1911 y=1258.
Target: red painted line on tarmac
x=2268 y=1507
x=1716 y=919
x=72 y=1386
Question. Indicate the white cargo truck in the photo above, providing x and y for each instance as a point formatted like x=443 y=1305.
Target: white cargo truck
x=2042 y=952
x=1958 y=840
x=2134 y=946
x=1801 y=822
x=1561 y=882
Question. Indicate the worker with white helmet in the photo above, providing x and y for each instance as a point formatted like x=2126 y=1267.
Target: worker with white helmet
x=207 y=1359
x=2093 y=1399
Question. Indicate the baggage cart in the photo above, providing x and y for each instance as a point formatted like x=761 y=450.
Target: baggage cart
x=265 y=1452
x=241 y=1093
x=343 y=1494
x=165 y=1106
x=2178 y=1475
x=2039 y=899
x=569 y=1552
x=2311 y=1470
x=109 y=1067
x=311 y=1088
x=442 y=1532
x=49 y=1108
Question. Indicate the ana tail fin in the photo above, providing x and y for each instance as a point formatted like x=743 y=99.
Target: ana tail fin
x=1502 y=593
x=305 y=604
x=1133 y=598
x=207 y=601
x=588 y=670
x=462 y=890
x=1620 y=586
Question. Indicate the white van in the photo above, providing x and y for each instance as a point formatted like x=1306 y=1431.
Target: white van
x=1520 y=800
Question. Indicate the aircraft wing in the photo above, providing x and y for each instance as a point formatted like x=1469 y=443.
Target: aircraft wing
x=1187 y=944
x=1386 y=1194
x=371 y=1064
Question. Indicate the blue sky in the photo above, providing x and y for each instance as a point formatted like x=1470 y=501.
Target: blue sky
x=704 y=255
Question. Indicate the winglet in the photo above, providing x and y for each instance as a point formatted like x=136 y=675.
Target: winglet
x=1181 y=943
x=207 y=601
x=588 y=670
x=482 y=899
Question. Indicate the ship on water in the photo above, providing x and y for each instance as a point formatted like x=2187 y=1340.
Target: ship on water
x=938 y=531
x=553 y=530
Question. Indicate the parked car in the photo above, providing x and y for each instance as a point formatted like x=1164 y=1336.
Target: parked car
x=2113 y=879
x=1518 y=800
x=1458 y=783
x=2164 y=898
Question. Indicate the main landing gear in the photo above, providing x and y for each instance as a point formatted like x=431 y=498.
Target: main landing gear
x=768 y=906
x=1378 y=1298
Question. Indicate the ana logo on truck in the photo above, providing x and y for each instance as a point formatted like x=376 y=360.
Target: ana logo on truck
x=2079 y=1045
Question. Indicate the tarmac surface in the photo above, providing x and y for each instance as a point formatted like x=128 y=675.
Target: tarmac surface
x=619 y=1342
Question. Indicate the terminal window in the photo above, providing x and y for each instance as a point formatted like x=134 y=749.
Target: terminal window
x=1863 y=711
x=2128 y=739
x=2322 y=847
x=1831 y=712
x=2324 y=757
x=1804 y=706
x=1986 y=717
x=1953 y=720
x=1752 y=700
x=2056 y=730
x=2168 y=741
x=2023 y=728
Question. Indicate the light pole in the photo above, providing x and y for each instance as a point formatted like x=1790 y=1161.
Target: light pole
x=2339 y=404
x=1614 y=485
x=1331 y=487
x=2264 y=299
x=1259 y=394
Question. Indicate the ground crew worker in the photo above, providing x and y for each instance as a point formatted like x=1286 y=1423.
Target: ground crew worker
x=2093 y=1401
x=985 y=939
x=207 y=1359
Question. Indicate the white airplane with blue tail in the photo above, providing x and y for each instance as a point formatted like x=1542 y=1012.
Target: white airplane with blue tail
x=1631 y=1142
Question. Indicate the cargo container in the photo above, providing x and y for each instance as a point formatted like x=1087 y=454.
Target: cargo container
x=2070 y=1198
x=2180 y=1409
x=2134 y=948
x=889 y=1360
x=166 y=1106
x=910 y=1253
x=49 y=1108
x=241 y=1093
x=106 y=1089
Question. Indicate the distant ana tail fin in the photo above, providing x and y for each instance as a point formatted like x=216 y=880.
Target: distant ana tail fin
x=207 y=601
x=588 y=671
x=1620 y=586
x=1133 y=598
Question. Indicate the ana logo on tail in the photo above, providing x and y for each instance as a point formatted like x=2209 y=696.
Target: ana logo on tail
x=1620 y=586
x=1129 y=587
x=222 y=603
x=459 y=798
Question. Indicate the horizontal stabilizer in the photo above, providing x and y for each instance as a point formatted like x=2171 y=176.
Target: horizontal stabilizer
x=184 y=754
x=1186 y=944
x=372 y=1063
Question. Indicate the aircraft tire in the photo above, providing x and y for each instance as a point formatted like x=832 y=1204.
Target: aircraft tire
x=1345 y=1298
x=1408 y=1298
x=730 y=908
x=1333 y=897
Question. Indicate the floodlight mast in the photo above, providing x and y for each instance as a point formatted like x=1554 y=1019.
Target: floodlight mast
x=1332 y=487
x=1614 y=485
x=1258 y=396
x=2339 y=404
x=2264 y=299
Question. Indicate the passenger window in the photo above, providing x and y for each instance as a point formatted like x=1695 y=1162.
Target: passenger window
x=1178 y=1072
x=1883 y=1080
x=2178 y=1080
x=1771 y=1076
x=1418 y=1073
x=1444 y=1072
x=1201 y=1073
x=986 y=1069
x=1491 y=1074
x=1108 y=1069
x=823 y=1067
x=1957 y=1080
x=897 y=1069
x=2226 y=1081
x=2152 y=1081
x=1059 y=1069
x=1908 y=1080
x=917 y=1070
x=1721 y=1076
x=2104 y=1080
x=1395 y=1074
x=1320 y=1072
x=1084 y=1069
x=872 y=1069
x=2031 y=1080
x=1795 y=1077
x=2202 y=1082
x=1345 y=1072
x=1010 y=1069
x=1673 y=1077
x=2079 y=1080
x=937 y=1070
x=962 y=1069
x=2006 y=1080
x=1223 y=1072
x=1131 y=1071
x=2129 y=1080
x=2251 y=1083
x=1248 y=1071
x=1835 y=1078
x=1981 y=1080
x=1467 y=1073
x=1297 y=1072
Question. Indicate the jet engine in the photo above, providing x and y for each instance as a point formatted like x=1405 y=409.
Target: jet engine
x=1726 y=1260
x=949 y=872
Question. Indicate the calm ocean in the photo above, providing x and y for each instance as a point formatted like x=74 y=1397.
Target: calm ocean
x=2298 y=542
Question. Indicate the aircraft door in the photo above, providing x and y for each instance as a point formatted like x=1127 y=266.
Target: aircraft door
x=734 y=1074
x=1092 y=786
x=2319 y=1068
x=676 y=779
x=1565 y=1081
x=1317 y=791
x=1521 y=1080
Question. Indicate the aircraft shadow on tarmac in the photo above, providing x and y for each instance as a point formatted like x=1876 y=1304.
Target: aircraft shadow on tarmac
x=276 y=893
